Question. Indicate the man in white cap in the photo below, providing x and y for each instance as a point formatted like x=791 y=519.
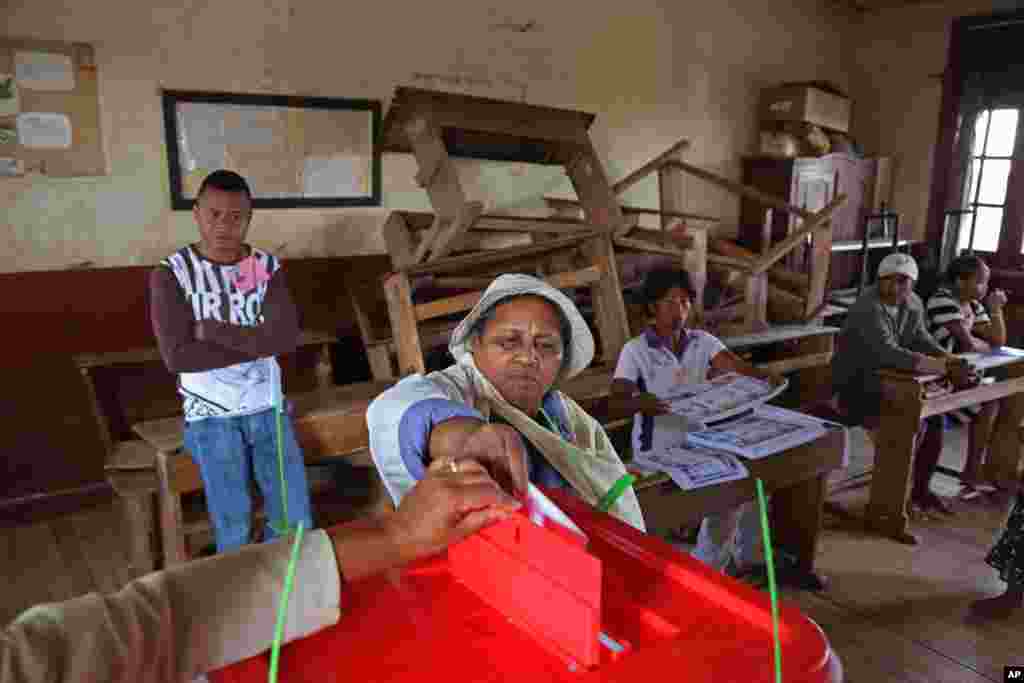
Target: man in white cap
x=886 y=328
x=498 y=404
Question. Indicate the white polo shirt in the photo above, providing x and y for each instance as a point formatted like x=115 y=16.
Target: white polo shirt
x=648 y=362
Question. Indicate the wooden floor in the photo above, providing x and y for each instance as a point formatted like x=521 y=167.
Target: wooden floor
x=892 y=612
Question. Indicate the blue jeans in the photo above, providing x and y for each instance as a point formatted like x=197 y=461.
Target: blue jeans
x=227 y=450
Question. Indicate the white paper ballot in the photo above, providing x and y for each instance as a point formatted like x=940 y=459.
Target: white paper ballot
x=44 y=130
x=541 y=507
x=44 y=71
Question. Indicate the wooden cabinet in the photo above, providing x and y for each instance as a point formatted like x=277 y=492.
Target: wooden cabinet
x=810 y=183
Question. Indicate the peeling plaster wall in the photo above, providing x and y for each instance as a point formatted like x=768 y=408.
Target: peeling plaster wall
x=652 y=72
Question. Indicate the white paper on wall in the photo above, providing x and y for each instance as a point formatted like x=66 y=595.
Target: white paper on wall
x=41 y=130
x=333 y=176
x=11 y=168
x=44 y=71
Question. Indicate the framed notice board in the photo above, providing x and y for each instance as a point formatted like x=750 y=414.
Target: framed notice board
x=49 y=109
x=294 y=151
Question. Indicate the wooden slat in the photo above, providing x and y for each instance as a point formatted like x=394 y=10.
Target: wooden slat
x=609 y=308
x=730 y=262
x=786 y=365
x=542 y=224
x=756 y=294
x=641 y=245
x=151 y=354
x=428 y=237
x=464 y=302
x=419 y=221
x=455 y=282
x=821 y=260
x=783 y=247
x=639 y=174
x=398 y=293
x=975 y=396
x=629 y=223
x=587 y=174
x=740 y=189
x=463 y=221
x=457 y=263
x=777 y=334
x=658 y=239
x=398 y=241
x=508 y=120
x=573 y=204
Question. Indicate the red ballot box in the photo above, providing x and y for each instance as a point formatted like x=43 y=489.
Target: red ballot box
x=521 y=602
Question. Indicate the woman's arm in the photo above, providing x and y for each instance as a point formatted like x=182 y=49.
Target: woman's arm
x=177 y=624
x=725 y=361
x=626 y=400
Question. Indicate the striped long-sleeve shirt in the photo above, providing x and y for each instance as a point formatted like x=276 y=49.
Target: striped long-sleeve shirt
x=944 y=307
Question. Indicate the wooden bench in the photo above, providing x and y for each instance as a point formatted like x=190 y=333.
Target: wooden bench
x=330 y=424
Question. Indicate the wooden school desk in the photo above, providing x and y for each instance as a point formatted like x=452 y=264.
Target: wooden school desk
x=795 y=479
x=87 y=362
x=905 y=404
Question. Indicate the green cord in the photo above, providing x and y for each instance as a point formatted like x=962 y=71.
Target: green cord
x=773 y=591
x=282 y=529
x=615 y=492
x=282 y=610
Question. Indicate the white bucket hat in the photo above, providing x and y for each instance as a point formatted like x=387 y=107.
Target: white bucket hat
x=581 y=346
x=898 y=264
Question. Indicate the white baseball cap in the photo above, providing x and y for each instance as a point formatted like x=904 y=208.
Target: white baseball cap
x=898 y=264
x=515 y=284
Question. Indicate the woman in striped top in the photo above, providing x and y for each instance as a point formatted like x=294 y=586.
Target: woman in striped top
x=961 y=323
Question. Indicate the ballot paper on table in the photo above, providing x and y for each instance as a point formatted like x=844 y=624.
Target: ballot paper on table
x=764 y=431
x=693 y=467
x=722 y=397
x=542 y=511
x=992 y=359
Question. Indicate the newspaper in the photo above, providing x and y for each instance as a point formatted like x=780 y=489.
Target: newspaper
x=722 y=397
x=764 y=431
x=693 y=467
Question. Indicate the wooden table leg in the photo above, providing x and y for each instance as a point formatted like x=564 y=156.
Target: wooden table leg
x=139 y=512
x=891 y=478
x=172 y=531
x=1005 y=447
x=797 y=513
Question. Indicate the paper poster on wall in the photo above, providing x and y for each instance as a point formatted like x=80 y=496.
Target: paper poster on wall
x=201 y=142
x=44 y=130
x=333 y=176
x=44 y=71
x=11 y=167
x=8 y=95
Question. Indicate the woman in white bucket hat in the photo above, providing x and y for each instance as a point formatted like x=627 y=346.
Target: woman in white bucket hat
x=498 y=404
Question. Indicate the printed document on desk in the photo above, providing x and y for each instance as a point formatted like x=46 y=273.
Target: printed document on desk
x=763 y=432
x=723 y=397
x=1004 y=355
x=693 y=467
